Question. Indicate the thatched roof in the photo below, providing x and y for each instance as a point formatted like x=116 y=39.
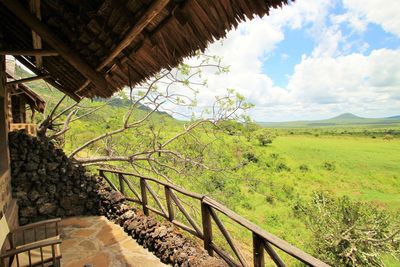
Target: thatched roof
x=33 y=99
x=157 y=34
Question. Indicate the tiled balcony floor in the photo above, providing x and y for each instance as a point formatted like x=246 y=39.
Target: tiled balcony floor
x=95 y=240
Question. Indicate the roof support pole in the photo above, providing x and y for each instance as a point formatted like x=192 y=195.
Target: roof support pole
x=30 y=79
x=50 y=80
x=37 y=41
x=47 y=35
x=135 y=31
x=34 y=52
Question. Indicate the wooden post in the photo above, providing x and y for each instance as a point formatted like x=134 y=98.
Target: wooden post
x=37 y=41
x=274 y=256
x=207 y=228
x=121 y=183
x=258 y=251
x=144 y=196
x=29 y=79
x=51 y=81
x=33 y=52
x=52 y=39
x=171 y=214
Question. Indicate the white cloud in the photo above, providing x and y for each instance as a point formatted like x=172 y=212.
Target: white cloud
x=245 y=48
x=384 y=13
x=330 y=80
x=328 y=42
x=354 y=83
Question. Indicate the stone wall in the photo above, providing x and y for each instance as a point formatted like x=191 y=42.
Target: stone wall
x=47 y=184
x=162 y=238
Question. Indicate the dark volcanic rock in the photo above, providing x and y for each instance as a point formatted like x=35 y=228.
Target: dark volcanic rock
x=46 y=184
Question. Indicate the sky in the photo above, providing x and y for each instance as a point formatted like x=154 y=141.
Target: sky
x=314 y=59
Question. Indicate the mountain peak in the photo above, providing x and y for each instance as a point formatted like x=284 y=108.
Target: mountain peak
x=347 y=116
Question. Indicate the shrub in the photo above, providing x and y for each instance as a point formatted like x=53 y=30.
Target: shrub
x=349 y=233
x=329 y=166
x=274 y=155
x=250 y=157
x=270 y=199
x=247 y=206
x=281 y=166
x=304 y=168
x=265 y=137
x=388 y=137
x=289 y=191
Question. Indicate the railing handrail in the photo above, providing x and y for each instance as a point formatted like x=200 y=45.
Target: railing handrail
x=177 y=188
x=258 y=233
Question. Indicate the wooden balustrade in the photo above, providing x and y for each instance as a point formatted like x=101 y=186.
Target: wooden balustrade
x=262 y=240
x=29 y=128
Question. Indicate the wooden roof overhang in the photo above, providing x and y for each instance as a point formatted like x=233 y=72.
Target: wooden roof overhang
x=95 y=48
x=33 y=99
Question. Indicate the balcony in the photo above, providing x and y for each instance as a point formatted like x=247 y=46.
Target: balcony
x=29 y=128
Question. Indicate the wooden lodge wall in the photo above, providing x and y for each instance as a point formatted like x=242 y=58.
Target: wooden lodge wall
x=7 y=204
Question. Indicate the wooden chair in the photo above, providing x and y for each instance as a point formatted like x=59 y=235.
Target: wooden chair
x=36 y=244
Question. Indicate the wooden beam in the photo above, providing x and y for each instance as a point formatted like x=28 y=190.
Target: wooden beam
x=135 y=31
x=51 y=81
x=30 y=79
x=47 y=35
x=34 y=6
x=33 y=52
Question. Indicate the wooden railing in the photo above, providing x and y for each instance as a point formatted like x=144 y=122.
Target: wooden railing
x=262 y=240
x=30 y=128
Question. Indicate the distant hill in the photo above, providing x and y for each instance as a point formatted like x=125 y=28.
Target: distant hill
x=345 y=119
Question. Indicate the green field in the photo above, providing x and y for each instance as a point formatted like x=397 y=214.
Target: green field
x=365 y=169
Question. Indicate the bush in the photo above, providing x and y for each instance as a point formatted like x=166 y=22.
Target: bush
x=270 y=199
x=388 y=137
x=329 y=166
x=265 y=137
x=349 y=233
x=274 y=155
x=281 y=166
x=304 y=168
x=250 y=157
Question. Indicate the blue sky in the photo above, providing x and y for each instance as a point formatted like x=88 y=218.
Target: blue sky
x=314 y=59
x=280 y=63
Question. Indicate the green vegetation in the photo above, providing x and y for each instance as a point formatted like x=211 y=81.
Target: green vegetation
x=349 y=233
x=265 y=181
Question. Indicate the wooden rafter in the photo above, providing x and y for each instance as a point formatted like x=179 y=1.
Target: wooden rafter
x=34 y=52
x=51 y=81
x=34 y=6
x=30 y=79
x=135 y=31
x=47 y=35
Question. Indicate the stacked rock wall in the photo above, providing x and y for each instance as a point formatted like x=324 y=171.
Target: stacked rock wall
x=46 y=183
x=162 y=238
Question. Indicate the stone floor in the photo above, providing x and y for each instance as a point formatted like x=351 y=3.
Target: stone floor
x=95 y=240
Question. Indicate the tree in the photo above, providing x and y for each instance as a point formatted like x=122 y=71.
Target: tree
x=249 y=129
x=265 y=137
x=388 y=137
x=348 y=233
x=157 y=152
